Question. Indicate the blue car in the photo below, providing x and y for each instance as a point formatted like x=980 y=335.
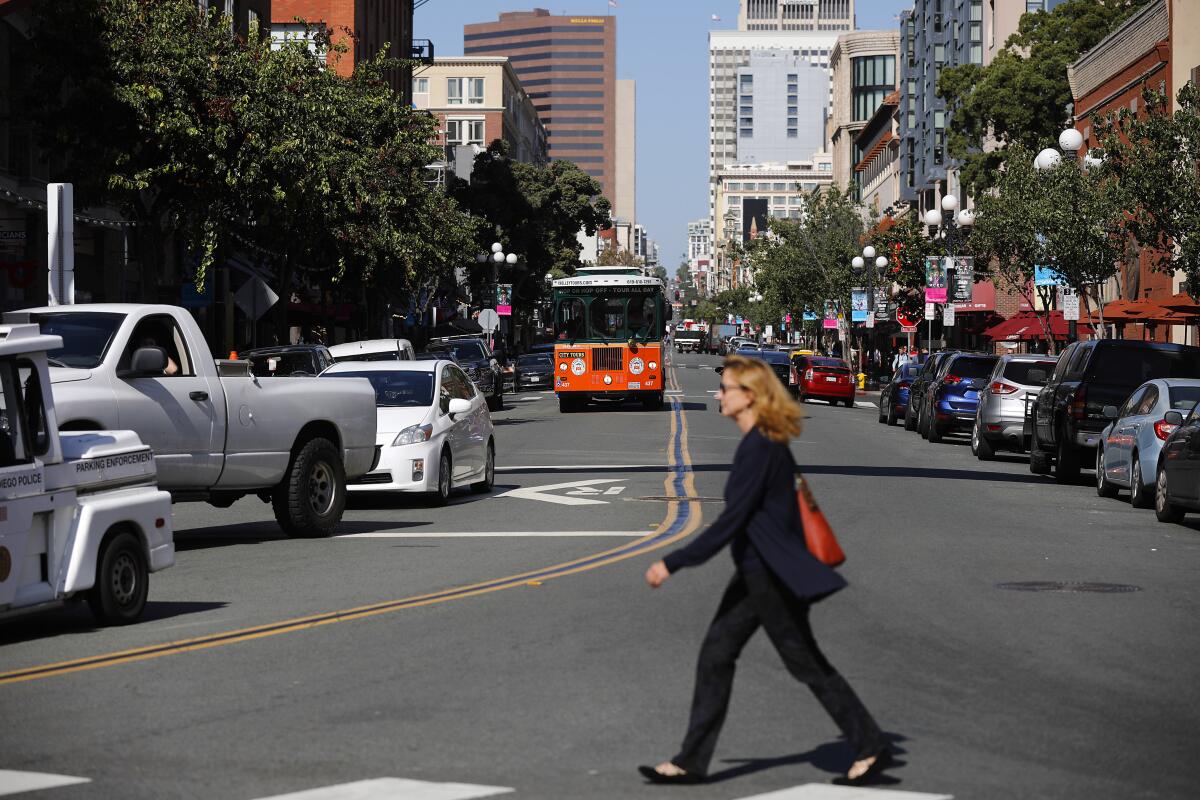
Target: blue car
x=954 y=394
x=1128 y=454
x=893 y=398
x=780 y=364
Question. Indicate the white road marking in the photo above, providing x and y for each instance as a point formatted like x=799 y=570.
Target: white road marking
x=395 y=789
x=580 y=466
x=540 y=493
x=484 y=534
x=15 y=782
x=865 y=404
x=827 y=791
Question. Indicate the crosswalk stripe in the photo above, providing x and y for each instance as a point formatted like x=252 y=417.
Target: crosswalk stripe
x=827 y=791
x=14 y=782
x=395 y=789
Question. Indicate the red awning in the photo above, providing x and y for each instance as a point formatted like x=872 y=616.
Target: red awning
x=1026 y=327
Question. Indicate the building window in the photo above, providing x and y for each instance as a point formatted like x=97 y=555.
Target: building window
x=746 y=84
x=1034 y=6
x=464 y=131
x=873 y=78
x=420 y=85
x=475 y=91
x=454 y=91
x=746 y=133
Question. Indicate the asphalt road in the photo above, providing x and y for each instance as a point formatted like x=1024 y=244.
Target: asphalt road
x=422 y=646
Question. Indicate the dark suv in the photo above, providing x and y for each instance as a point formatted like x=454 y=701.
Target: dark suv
x=916 y=392
x=1067 y=417
x=476 y=359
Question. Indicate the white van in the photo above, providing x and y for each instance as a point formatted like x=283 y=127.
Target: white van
x=374 y=350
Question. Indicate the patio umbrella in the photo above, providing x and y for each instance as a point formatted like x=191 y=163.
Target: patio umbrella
x=1183 y=303
x=1131 y=310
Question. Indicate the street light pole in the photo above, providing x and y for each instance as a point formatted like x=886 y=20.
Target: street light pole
x=952 y=225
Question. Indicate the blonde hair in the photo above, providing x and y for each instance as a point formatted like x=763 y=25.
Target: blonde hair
x=777 y=414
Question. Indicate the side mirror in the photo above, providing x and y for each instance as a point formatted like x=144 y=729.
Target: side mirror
x=459 y=406
x=1173 y=418
x=147 y=361
x=1109 y=412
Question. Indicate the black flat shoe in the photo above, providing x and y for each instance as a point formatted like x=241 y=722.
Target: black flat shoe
x=883 y=760
x=654 y=776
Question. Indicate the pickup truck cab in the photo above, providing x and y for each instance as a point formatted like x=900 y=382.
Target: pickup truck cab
x=80 y=514
x=217 y=431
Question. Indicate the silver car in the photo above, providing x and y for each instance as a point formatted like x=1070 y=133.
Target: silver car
x=1127 y=455
x=1000 y=419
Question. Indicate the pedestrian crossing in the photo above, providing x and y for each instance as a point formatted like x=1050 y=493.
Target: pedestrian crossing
x=392 y=788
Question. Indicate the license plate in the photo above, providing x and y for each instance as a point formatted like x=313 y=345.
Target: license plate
x=633 y=385
x=832 y=380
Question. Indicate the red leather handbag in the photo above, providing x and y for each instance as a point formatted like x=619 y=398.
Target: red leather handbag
x=818 y=536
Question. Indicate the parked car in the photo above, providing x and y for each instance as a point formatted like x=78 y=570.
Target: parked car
x=374 y=350
x=434 y=430
x=1177 y=481
x=535 y=371
x=1067 y=417
x=779 y=363
x=916 y=392
x=217 y=432
x=822 y=378
x=1129 y=446
x=475 y=357
x=1000 y=421
x=953 y=398
x=893 y=397
x=296 y=360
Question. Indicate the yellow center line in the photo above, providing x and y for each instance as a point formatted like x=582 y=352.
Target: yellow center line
x=639 y=547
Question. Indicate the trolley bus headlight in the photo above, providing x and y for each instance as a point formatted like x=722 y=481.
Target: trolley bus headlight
x=562 y=367
x=652 y=365
x=607 y=379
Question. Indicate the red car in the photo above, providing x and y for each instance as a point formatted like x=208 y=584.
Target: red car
x=827 y=379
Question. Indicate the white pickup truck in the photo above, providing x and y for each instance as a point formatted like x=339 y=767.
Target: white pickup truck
x=218 y=433
x=79 y=512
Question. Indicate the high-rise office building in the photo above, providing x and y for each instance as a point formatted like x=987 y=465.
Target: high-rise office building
x=568 y=65
x=796 y=15
x=625 y=202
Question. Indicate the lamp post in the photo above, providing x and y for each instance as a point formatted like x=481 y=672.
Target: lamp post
x=877 y=264
x=730 y=231
x=494 y=259
x=952 y=224
x=1070 y=142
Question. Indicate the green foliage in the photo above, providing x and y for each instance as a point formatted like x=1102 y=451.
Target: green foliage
x=616 y=257
x=1021 y=96
x=803 y=262
x=906 y=245
x=1154 y=156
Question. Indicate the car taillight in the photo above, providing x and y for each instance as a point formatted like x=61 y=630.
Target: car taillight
x=952 y=379
x=903 y=384
x=793 y=379
x=1000 y=387
x=808 y=375
x=1079 y=403
x=1163 y=429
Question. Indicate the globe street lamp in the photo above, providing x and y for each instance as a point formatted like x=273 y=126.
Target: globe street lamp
x=1070 y=141
x=877 y=264
x=952 y=225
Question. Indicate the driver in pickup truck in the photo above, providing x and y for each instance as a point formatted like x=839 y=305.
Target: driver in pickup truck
x=152 y=334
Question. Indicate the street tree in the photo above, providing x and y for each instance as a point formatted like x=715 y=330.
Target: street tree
x=613 y=256
x=1022 y=95
x=1153 y=156
x=906 y=246
x=1067 y=218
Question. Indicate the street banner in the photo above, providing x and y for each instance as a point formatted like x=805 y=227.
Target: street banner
x=963 y=284
x=935 y=279
x=1069 y=304
x=809 y=316
x=858 y=305
x=948 y=315
x=1046 y=276
x=881 y=304
x=504 y=299
x=830 y=322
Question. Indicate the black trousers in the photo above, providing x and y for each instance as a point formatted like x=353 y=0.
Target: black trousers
x=756 y=598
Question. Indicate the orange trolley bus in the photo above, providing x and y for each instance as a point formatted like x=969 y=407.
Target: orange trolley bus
x=609 y=324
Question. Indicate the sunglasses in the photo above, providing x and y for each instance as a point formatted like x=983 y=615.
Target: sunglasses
x=722 y=388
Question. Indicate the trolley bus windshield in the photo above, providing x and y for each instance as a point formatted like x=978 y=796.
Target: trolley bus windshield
x=609 y=313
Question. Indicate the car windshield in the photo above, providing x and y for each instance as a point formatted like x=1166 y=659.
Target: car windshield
x=973 y=367
x=267 y=365
x=1019 y=372
x=534 y=361
x=1184 y=398
x=86 y=336
x=396 y=389
x=1133 y=366
x=463 y=351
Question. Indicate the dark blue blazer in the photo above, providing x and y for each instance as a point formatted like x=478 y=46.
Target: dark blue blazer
x=760 y=510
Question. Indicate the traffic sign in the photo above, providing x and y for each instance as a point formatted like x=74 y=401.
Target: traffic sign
x=489 y=320
x=255 y=298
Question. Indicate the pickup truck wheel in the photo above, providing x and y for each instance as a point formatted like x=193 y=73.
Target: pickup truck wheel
x=312 y=496
x=1066 y=465
x=1039 y=462
x=122 y=581
x=489 y=472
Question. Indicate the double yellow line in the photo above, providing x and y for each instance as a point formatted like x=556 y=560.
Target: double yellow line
x=682 y=519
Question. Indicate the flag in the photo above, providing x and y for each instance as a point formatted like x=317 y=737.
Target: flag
x=716 y=18
x=612 y=3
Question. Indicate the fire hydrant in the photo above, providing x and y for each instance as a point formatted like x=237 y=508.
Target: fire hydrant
x=862 y=380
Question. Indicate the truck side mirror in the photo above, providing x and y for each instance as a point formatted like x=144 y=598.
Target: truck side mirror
x=147 y=361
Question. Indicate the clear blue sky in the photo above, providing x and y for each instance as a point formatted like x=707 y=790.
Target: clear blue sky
x=663 y=45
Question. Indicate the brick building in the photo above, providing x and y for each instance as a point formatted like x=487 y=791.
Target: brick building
x=568 y=64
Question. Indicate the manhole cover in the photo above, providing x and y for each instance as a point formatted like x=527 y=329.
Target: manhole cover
x=1068 y=586
x=667 y=498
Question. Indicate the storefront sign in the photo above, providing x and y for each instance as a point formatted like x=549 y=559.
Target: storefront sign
x=12 y=236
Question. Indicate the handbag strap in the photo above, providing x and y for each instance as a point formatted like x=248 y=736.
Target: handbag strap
x=803 y=490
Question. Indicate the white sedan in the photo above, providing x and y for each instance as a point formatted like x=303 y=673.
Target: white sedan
x=434 y=432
